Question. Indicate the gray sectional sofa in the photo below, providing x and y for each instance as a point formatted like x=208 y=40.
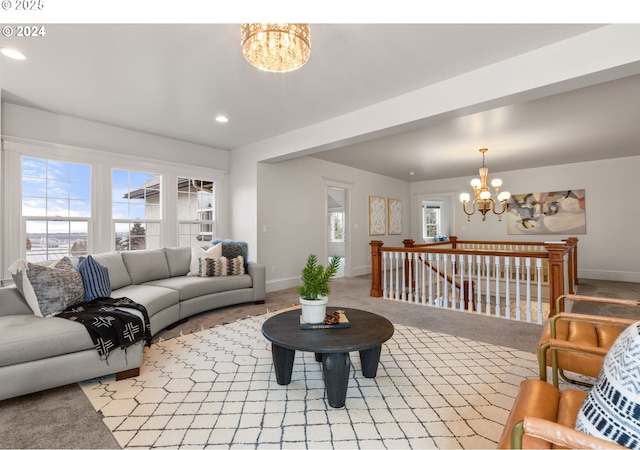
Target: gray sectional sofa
x=41 y=353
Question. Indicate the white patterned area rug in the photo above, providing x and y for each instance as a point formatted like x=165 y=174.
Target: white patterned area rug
x=217 y=388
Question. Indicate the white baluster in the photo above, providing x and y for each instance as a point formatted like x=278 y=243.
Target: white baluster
x=423 y=282
x=487 y=268
x=437 y=278
x=416 y=277
x=470 y=281
x=430 y=271
x=518 y=309
x=410 y=266
x=445 y=283
x=527 y=263
x=397 y=277
x=496 y=260
x=507 y=286
x=479 y=278
x=454 y=296
x=404 y=277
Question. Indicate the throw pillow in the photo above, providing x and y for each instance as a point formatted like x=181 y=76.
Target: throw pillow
x=95 y=278
x=210 y=267
x=236 y=266
x=611 y=410
x=198 y=252
x=232 y=249
x=48 y=290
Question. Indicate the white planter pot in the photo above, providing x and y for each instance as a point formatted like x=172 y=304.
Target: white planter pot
x=314 y=311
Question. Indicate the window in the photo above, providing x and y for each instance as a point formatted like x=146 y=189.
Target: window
x=196 y=211
x=430 y=221
x=56 y=208
x=136 y=211
x=336 y=226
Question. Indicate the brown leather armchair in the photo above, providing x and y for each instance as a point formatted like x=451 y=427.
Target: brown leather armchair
x=543 y=416
x=595 y=334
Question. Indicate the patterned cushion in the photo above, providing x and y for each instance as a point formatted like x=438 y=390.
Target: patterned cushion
x=213 y=267
x=95 y=278
x=232 y=249
x=236 y=266
x=198 y=252
x=48 y=290
x=611 y=410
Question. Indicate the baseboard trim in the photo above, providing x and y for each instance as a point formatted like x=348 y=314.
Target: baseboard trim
x=630 y=277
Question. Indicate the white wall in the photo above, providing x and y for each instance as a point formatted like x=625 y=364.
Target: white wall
x=292 y=199
x=610 y=249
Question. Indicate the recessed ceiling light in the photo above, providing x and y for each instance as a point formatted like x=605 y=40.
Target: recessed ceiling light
x=412 y=173
x=222 y=119
x=11 y=53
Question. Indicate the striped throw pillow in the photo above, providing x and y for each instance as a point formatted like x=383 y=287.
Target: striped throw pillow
x=213 y=267
x=236 y=266
x=95 y=278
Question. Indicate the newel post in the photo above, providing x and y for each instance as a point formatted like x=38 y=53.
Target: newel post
x=573 y=263
x=409 y=243
x=376 y=268
x=556 y=274
x=454 y=241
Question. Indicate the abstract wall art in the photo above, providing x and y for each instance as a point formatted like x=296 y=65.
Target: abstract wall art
x=557 y=212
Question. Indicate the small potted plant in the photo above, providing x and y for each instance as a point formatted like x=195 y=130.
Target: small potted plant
x=315 y=288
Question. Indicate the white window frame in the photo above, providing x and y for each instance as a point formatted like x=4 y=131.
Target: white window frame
x=101 y=237
x=55 y=254
x=200 y=222
x=132 y=220
x=426 y=206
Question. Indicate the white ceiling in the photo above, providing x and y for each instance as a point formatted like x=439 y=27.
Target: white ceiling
x=173 y=80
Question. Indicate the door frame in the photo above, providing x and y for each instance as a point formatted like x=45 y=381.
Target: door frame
x=347 y=221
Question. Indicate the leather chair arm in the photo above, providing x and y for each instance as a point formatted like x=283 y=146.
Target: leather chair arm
x=563 y=436
x=562 y=345
x=587 y=298
x=597 y=319
x=610 y=300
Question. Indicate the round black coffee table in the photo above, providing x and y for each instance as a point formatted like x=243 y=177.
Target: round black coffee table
x=331 y=346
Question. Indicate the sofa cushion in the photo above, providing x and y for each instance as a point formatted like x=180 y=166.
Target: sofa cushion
x=154 y=298
x=179 y=260
x=146 y=265
x=95 y=278
x=191 y=287
x=118 y=275
x=48 y=290
x=611 y=410
x=198 y=252
x=27 y=338
x=210 y=267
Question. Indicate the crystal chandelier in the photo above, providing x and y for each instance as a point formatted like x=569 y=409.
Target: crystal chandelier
x=276 y=47
x=483 y=199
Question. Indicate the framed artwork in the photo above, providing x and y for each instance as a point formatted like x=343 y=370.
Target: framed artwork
x=395 y=216
x=559 y=212
x=377 y=215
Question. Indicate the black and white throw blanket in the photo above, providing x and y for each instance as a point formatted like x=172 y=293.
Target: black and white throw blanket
x=109 y=326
